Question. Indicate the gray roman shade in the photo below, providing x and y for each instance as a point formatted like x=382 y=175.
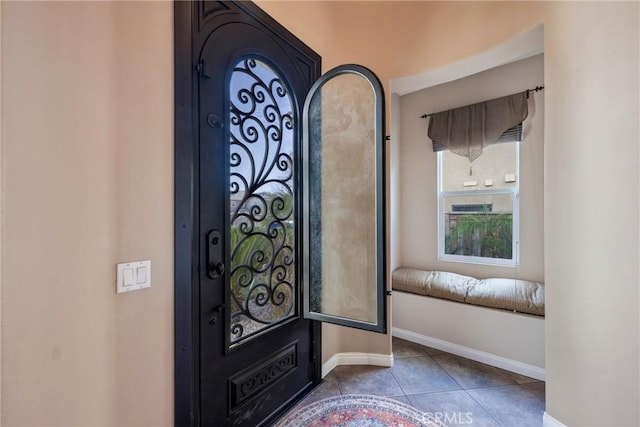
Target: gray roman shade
x=467 y=130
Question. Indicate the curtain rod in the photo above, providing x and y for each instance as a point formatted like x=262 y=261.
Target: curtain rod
x=535 y=89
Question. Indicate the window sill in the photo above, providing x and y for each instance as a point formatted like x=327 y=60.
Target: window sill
x=479 y=260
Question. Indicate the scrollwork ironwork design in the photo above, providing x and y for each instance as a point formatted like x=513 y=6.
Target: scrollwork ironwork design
x=263 y=252
x=252 y=380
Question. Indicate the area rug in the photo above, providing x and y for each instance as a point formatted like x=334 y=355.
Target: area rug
x=358 y=410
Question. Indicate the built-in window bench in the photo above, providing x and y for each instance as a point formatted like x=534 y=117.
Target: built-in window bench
x=521 y=296
x=496 y=321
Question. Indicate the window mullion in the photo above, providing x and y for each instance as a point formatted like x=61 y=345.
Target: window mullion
x=487 y=192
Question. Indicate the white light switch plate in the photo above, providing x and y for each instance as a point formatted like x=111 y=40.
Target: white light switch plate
x=131 y=276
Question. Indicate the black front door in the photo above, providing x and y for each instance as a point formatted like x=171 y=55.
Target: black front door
x=250 y=350
x=279 y=212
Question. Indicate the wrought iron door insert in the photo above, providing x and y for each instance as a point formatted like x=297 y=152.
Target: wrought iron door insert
x=262 y=201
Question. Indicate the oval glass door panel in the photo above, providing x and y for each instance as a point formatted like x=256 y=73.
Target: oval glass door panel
x=344 y=268
x=262 y=201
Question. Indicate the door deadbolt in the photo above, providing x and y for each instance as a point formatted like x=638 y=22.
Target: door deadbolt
x=215 y=257
x=216 y=269
x=217 y=310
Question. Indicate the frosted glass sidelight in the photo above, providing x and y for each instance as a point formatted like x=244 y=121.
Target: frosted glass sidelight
x=344 y=262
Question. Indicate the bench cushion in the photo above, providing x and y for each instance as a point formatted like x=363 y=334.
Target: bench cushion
x=509 y=294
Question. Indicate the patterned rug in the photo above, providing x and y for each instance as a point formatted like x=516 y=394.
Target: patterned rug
x=358 y=410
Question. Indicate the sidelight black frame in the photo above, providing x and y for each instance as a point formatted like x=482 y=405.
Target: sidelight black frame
x=186 y=225
x=380 y=324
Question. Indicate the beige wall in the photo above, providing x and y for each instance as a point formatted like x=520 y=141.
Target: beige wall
x=418 y=170
x=85 y=84
x=591 y=247
x=1 y=215
x=379 y=35
x=321 y=25
x=584 y=40
x=516 y=339
x=88 y=181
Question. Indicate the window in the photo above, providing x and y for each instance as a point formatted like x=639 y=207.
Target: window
x=478 y=206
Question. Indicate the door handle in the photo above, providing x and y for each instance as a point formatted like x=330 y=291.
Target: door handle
x=216 y=269
x=215 y=258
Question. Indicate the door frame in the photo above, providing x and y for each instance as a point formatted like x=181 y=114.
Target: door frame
x=187 y=207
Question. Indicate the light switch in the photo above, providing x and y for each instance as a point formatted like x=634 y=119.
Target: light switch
x=128 y=276
x=131 y=276
x=141 y=275
x=488 y=182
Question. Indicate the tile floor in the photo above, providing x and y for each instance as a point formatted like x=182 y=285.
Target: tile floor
x=471 y=393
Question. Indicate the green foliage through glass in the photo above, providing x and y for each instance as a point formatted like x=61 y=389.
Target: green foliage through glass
x=483 y=234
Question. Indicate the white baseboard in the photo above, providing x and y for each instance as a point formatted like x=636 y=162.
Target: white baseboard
x=473 y=354
x=356 y=359
x=549 y=421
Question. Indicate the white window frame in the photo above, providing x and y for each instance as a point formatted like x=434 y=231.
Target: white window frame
x=515 y=198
